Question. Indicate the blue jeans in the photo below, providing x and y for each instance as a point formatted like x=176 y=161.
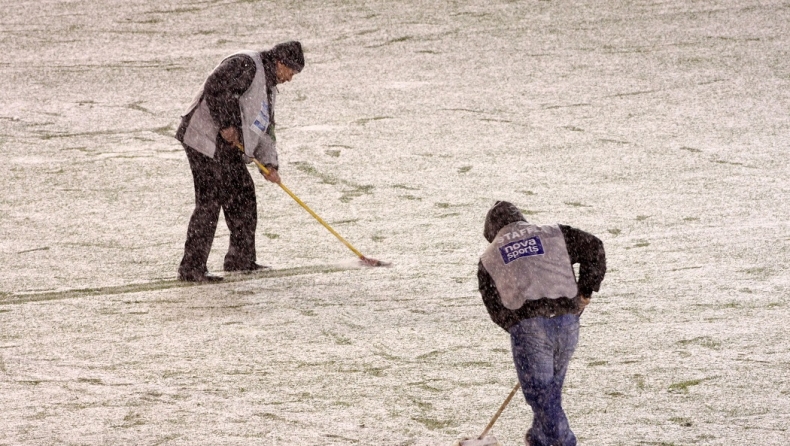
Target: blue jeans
x=542 y=349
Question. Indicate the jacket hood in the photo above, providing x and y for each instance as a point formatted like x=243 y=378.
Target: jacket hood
x=500 y=215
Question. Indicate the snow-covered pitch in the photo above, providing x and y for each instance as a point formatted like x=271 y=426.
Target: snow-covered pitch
x=662 y=126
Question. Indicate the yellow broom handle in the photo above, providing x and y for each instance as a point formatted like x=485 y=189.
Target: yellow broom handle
x=307 y=208
x=499 y=412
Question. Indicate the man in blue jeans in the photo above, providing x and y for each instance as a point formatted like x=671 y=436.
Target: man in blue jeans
x=529 y=288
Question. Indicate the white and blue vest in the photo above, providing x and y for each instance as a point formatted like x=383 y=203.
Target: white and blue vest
x=530 y=262
x=202 y=131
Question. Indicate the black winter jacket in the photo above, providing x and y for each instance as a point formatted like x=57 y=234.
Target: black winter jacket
x=223 y=88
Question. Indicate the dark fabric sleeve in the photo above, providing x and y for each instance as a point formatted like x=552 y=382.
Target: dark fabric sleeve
x=501 y=316
x=586 y=250
x=225 y=85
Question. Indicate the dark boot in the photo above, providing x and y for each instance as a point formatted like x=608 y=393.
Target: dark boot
x=248 y=268
x=198 y=277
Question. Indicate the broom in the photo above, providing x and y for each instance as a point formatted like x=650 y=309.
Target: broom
x=367 y=261
x=482 y=440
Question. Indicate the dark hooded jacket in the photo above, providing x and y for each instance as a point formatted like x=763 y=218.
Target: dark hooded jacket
x=583 y=248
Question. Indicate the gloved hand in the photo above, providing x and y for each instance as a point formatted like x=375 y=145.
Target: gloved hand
x=581 y=302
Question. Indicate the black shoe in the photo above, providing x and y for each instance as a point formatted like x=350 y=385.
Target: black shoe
x=249 y=268
x=199 y=277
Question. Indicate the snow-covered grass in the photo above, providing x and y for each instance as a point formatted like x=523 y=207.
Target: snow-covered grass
x=660 y=126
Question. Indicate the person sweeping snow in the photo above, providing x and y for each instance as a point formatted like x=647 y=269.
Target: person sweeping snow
x=235 y=108
x=529 y=288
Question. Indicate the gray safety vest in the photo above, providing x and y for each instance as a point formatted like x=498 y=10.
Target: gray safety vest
x=201 y=133
x=530 y=262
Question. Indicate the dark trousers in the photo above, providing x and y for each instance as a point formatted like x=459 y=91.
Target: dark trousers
x=220 y=183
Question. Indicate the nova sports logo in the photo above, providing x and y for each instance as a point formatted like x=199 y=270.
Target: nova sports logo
x=521 y=248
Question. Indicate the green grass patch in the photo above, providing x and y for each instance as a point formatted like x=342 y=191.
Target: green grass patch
x=400 y=39
x=727 y=162
x=683 y=386
x=340 y=437
x=758 y=271
x=476 y=364
x=364 y=121
x=338 y=339
x=310 y=170
x=376 y=371
x=357 y=191
x=639 y=381
x=14 y=298
x=422 y=404
x=391 y=41
x=685 y=422
x=180 y=10
x=136 y=106
x=44 y=248
x=405 y=187
x=433 y=424
x=426 y=386
x=430 y=355
x=271 y=416
x=168 y=131
x=148 y=21
x=705 y=341
x=387 y=356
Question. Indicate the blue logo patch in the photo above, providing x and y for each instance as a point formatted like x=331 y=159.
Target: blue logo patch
x=261 y=126
x=262 y=120
x=521 y=248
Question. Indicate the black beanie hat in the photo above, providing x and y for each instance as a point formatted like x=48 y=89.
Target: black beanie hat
x=500 y=215
x=290 y=54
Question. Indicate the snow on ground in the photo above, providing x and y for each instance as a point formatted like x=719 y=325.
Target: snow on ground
x=661 y=126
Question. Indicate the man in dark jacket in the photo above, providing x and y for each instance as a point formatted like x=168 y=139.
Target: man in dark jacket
x=529 y=288
x=235 y=108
